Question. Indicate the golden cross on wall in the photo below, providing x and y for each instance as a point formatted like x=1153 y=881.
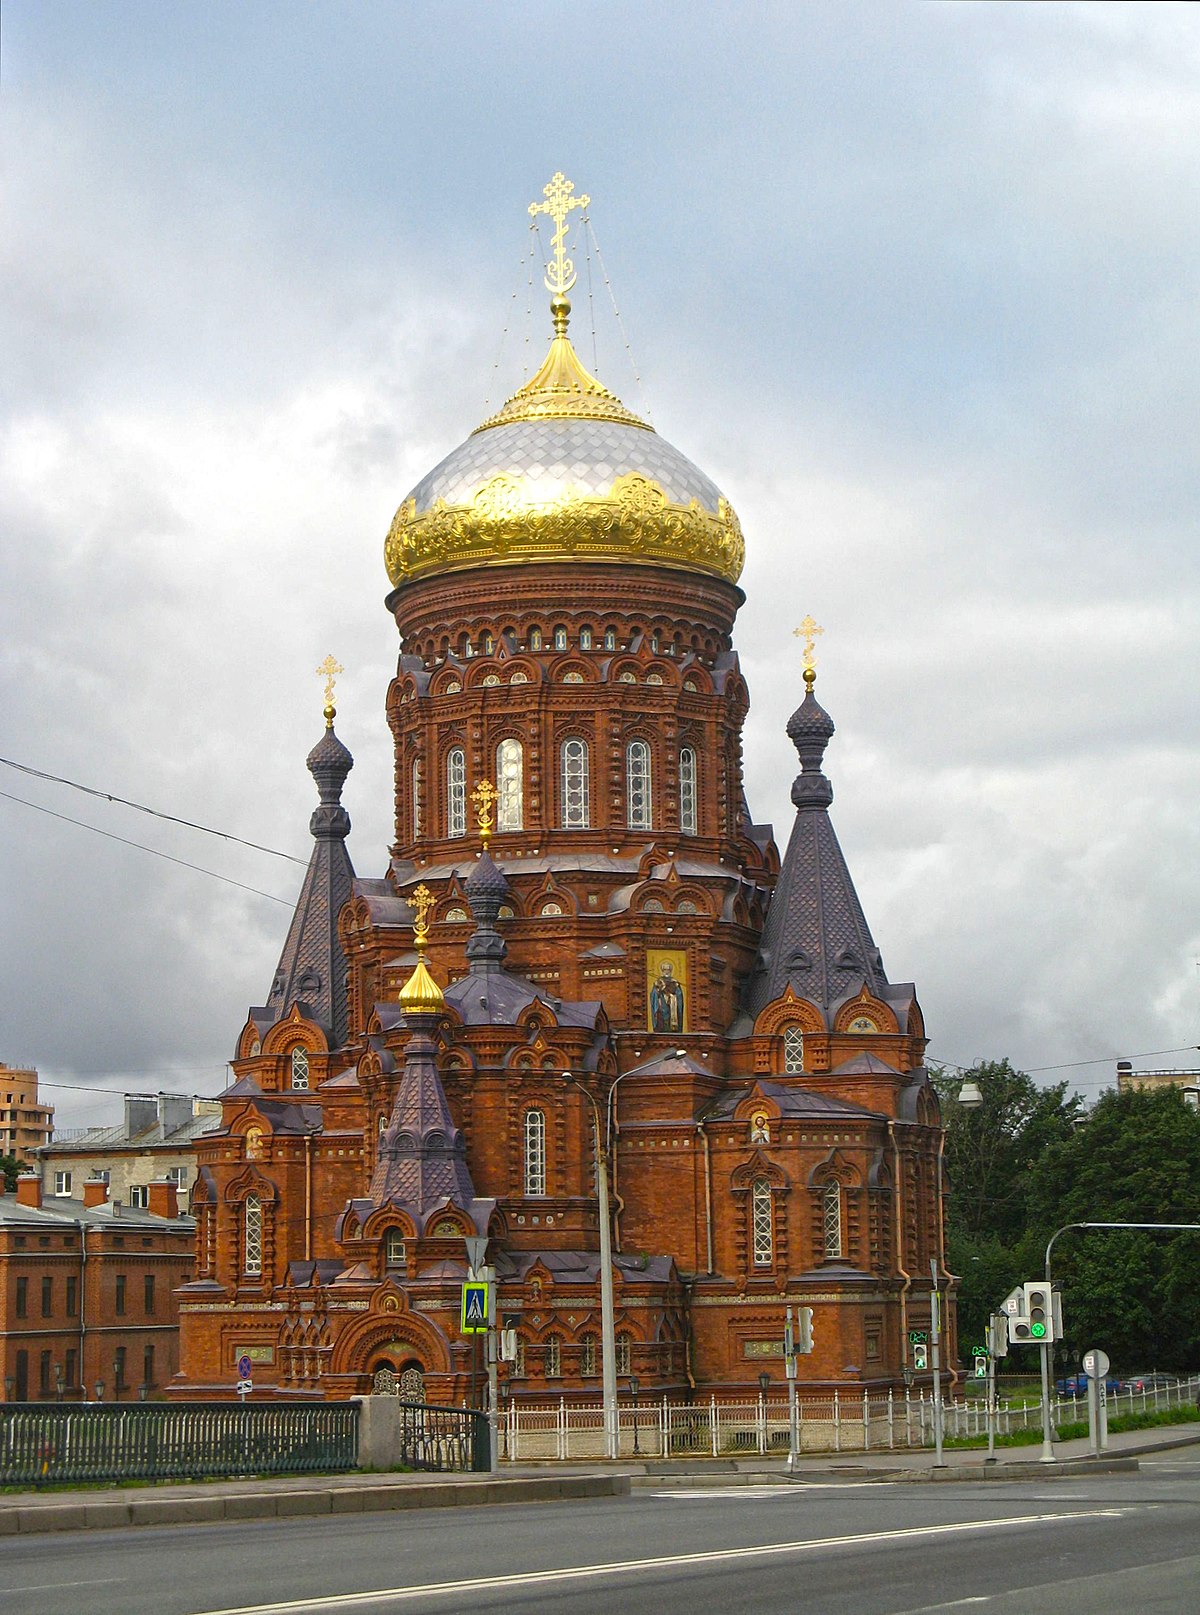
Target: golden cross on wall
x=421 y=902
x=560 y=276
x=328 y=670
x=484 y=797
x=807 y=631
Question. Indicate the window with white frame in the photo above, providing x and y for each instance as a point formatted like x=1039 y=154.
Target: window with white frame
x=299 y=1068
x=793 y=1048
x=831 y=1205
x=576 y=784
x=456 y=792
x=638 y=799
x=763 y=1229
x=252 y=1240
x=535 y=1152
x=510 y=782
x=394 y=1252
x=62 y=1183
x=688 y=820
x=177 y=1175
x=139 y=1196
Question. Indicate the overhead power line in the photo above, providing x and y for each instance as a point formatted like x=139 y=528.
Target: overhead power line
x=140 y=807
x=154 y=852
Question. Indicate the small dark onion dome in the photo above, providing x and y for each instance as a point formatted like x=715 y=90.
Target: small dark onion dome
x=810 y=729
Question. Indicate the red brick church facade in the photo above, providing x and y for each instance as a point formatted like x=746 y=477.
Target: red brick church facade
x=565 y=593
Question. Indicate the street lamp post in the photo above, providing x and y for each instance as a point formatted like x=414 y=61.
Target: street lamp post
x=608 y=1342
x=633 y=1391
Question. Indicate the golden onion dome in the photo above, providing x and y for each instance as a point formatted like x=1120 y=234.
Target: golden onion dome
x=564 y=471
x=421 y=994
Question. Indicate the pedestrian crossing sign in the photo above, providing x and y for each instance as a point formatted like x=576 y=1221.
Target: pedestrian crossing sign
x=474 y=1308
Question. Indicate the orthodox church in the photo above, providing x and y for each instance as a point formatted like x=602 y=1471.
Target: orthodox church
x=582 y=949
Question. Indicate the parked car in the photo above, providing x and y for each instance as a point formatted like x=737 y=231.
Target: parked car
x=1151 y=1382
x=1077 y=1385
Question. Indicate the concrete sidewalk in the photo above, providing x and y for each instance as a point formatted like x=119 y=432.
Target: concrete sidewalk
x=359 y=1493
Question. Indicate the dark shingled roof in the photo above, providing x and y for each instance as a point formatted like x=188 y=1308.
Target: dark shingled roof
x=816 y=937
x=312 y=966
x=794 y=1101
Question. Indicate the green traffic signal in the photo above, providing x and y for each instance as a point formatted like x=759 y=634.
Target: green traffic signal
x=1038 y=1330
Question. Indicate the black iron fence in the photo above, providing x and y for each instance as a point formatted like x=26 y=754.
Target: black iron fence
x=443 y=1438
x=43 y=1444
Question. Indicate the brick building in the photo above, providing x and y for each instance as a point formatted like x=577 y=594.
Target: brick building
x=155 y=1139
x=87 y=1293
x=565 y=588
x=25 y=1122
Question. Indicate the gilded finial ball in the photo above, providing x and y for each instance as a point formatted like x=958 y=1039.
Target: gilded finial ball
x=330 y=714
x=560 y=308
x=810 y=677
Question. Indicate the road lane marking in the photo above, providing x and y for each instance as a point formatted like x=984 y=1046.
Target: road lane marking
x=57 y=1586
x=783 y=1488
x=626 y=1567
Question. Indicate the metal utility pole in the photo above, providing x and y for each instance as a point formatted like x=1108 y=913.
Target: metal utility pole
x=608 y=1340
x=935 y=1336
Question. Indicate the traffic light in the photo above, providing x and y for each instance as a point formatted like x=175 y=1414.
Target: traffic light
x=920 y=1356
x=1040 y=1314
x=804 y=1330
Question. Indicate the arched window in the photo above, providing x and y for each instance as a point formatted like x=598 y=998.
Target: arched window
x=252 y=1244
x=687 y=791
x=456 y=792
x=416 y=798
x=560 y=639
x=610 y=639
x=764 y=1233
x=510 y=782
x=535 y=1152
x=638 y=800
x=535 y=639
x=576 y=784
x=624 y=1354
x=299 y=1068
x=585 y=639
x=793 y=1048
x=553 y=1358
x=831 y=1205
x=588 y=1356
x=394 y=1253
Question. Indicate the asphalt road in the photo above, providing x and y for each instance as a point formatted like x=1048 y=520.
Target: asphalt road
x=1095 y=1545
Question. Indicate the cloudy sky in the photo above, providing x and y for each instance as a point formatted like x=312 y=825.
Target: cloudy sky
x=917 y=285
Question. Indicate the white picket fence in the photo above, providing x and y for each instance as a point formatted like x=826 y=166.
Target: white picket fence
x=758 y=1426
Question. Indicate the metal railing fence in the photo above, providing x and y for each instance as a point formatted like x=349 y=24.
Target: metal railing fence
x=444 y=1438
x=43 y=1444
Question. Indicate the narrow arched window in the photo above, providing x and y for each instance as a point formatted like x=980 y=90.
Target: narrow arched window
x=764 y=1232
x=299 y=1068
x=624 y=1354
x=553 y=1358
x=585 y=639
x=394 y=1253
x=535 y=639
x=831 y=1205
x=793 y=1048
x=416 y=798
x=610 y=639
x=576 y=784
x=510 y=782
x=456 y=792
x=687 y=791
x=588 y=1357
x=535 y=1152
x=560 y=639
x=638 y=800
x=252 y=1245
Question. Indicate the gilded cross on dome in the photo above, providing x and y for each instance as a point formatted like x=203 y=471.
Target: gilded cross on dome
x=328 y=670
x=560 y=276
x=484 y=797
x=808 y=630
x=421 y=902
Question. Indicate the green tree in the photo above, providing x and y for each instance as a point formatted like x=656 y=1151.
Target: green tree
x=11 y=1168
x=993 y=1155
x=1134 y=1293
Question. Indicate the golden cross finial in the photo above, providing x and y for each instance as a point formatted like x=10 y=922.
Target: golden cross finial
x=808 y=630
x=328 y=670
x=560 y=276
x=421 y=902
x=484 y=797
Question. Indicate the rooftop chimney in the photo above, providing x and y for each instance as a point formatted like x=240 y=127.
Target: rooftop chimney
x=164 y=1201
x=95 y=1192
x=29 y=1189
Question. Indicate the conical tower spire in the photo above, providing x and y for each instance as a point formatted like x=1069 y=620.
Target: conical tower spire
x=312 y=967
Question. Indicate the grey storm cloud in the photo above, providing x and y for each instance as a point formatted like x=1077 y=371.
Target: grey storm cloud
x=915 y=285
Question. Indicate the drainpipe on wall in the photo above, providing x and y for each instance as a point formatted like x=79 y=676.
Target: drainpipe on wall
x=708 y=1215
x=308 y=1197
x=900 y=1267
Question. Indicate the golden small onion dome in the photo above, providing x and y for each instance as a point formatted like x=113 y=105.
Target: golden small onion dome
x=564 y=471
x=420 y=994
